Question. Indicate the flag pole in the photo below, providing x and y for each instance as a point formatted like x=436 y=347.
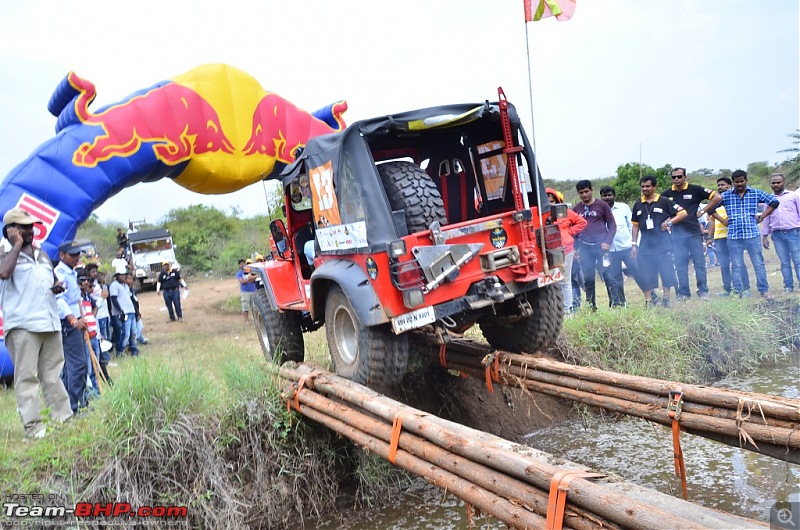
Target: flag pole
x=545 y=265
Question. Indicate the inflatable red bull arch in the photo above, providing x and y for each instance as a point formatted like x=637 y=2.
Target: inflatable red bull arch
x=213 y=130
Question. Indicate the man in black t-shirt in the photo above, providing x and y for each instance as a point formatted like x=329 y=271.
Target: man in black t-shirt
x=170 y=281
x=687 y=239
x=653 y=217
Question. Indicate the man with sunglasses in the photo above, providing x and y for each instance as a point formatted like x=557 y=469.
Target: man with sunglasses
x=31 y=324
x=687 y=237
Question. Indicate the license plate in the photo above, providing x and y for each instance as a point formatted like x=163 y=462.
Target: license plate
x=414 y=319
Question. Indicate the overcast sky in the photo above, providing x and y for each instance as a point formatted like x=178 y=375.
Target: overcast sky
x=710 y=83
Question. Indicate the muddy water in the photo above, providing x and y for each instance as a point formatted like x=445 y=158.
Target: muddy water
x=719 y=476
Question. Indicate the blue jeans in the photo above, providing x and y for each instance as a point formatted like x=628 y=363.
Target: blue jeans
x=591 y=260
x=687 y=249
x=172 y=298
x=127 y=333
x=737 y=248
x=105 y=328
x=724 y=255
x=576 y=278
x=90 y=365
x=787 y=245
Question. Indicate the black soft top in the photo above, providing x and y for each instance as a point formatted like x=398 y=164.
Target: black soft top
x=146 y=235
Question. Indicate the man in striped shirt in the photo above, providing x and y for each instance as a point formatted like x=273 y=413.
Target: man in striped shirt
x=741 y=204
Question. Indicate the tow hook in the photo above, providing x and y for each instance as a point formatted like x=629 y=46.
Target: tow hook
x=491 y=288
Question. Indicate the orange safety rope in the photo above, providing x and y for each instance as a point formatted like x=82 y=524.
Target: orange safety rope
x=487 y=362
x=557 y=501
x=442 y=355
x=470 y=515
x=394 y=441
x=674 y=410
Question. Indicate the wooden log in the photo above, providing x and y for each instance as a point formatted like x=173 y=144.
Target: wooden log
x=621 y=502
x=784 y=408
x=502 y=509
x=518 y=492
x=722 y=430
x=655 y=400
x=780 y=407
x=655 y=406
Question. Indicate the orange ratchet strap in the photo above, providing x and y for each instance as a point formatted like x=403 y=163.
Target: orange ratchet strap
x=557 y=501
x=394 y=441
x=487 y=362
x=674 y=410
x=442 y=355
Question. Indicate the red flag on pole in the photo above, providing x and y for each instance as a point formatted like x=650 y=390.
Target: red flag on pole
x=561 y=9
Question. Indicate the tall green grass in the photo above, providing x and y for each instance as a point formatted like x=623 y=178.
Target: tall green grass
x=690 y=342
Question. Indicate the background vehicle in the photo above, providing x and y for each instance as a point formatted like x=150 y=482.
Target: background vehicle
x=148 y=249
x=424 y=219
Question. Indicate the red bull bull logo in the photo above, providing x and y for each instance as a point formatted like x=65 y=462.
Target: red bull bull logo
x=279 y=128
x=174 y=118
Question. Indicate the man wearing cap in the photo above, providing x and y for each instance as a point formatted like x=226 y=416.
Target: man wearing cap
x=123 y=314
x=31 y=323
x=72 y=325
x=170 y=281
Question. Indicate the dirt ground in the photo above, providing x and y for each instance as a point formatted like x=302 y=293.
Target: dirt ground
x=508 y=413
x=202 y=309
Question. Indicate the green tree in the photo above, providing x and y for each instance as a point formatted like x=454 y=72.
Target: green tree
x=627 y=185
x=103 y=235
x=793 y=161
x=200 y=234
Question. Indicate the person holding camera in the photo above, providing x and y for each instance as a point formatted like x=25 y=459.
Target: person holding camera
x=247 y=287
x=32 y=329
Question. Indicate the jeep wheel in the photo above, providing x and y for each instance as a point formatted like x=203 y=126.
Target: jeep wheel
x=410 y=189
x=535 y=333
x=278 y=332
x=367 y=355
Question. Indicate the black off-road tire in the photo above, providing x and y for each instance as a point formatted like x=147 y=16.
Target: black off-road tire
x=278 y=332
x=371 y=356
x=532 y=334
x=409 y=188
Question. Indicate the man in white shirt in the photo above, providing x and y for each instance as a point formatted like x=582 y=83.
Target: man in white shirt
x=621 y=247
x=32 y=326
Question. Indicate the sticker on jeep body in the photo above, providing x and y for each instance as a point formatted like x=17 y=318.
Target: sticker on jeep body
x=346 y=236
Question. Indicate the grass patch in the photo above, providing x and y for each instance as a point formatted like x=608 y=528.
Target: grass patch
x=692 y=342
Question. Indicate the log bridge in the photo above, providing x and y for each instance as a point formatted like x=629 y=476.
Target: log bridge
x=516 y=484
x=762 y=423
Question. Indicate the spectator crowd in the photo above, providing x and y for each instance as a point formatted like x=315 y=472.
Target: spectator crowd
x=656 y=239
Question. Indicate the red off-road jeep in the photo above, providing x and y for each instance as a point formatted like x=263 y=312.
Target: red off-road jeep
x=428 y=218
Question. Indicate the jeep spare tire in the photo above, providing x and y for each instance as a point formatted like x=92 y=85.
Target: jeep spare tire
x=409 y=188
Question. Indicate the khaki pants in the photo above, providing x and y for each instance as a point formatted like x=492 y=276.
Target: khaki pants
x=38 y=359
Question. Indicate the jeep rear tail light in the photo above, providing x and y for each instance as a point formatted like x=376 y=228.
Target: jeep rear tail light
x=552 y=236
x=407 y=275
